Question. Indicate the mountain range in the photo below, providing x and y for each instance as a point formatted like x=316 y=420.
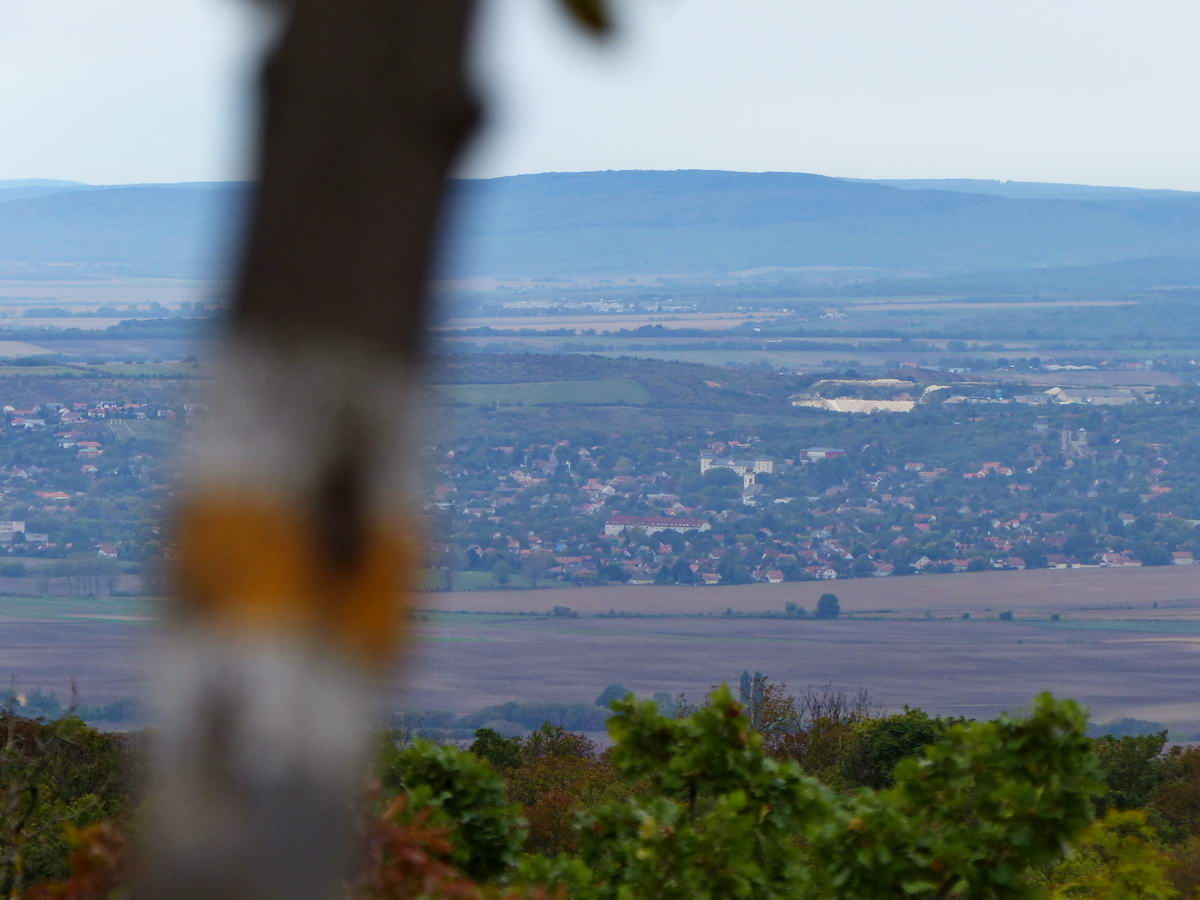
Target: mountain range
x=690 y=224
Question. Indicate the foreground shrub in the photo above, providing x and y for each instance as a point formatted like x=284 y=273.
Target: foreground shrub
x=968 y=818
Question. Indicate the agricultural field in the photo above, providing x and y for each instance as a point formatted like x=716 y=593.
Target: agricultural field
x=103 y=646
x=927 y=304
x=17 y=349
x=611 y=322
x=94 y=292
x=1171 y=592
x=1086 y=378
x=101 y=370
x=1126 y=643
x=599 y=390
x=952 y=666
x=124 y=348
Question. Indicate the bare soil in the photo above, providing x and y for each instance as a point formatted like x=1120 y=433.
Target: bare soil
x=1032 y=592
x=1126 y=643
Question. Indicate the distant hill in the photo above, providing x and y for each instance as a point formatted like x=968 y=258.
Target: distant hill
x=1027 y=190
x=718 y=222
x=6 y=183
x=185 y=231
x=18 y=188
x=699 y=224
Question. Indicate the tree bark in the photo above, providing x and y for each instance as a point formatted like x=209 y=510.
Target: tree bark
x=288 y=566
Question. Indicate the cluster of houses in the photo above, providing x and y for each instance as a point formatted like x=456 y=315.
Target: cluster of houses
x=51 y=414
x=650 y=527
x=64 y=450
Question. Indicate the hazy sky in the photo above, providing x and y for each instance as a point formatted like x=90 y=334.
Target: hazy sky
x=1096 y=91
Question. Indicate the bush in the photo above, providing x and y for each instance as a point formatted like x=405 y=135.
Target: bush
x=54 y=774
x=611 y=693
x=828 y=607
x=575 y=716
x=714 y=817
x=463 y=792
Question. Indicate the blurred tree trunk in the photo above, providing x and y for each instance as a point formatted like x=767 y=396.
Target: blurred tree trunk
x=366 y=106
x=282 y=575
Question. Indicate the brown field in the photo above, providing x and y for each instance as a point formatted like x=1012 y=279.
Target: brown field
x=1127 y=642
x=1034 y=592
x=952 y=667
x=1113 y=648
x=20 y=348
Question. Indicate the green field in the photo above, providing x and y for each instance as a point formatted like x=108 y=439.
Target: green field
x=124 y=609
x=468 y=580
x=600 y=390
x=150 y=370
x=44 y=371
x=107 y=370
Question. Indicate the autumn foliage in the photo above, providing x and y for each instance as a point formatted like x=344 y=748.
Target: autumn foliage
x=768 y=795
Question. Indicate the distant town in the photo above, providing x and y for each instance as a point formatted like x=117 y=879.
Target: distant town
x=996 y=487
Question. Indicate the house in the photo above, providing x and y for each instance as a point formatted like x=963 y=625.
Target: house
x=108 y=551
x=1183 y=558
x=710 y=578
x=1099 y=396
x=743 y=467
x=814 y=453
x=821 y=573
x=774 y=576
x=617 y=525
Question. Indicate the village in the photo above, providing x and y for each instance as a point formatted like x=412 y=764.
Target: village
x=89 y=476
x=999 y=493
x=93 y=473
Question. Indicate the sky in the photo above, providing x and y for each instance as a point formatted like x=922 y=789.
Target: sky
x=1086 y=91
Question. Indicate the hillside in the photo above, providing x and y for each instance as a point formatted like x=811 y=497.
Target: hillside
x=694 y=224
x=718 y=222
x=662 y=384
x=1027 y=190
x=183 y=231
